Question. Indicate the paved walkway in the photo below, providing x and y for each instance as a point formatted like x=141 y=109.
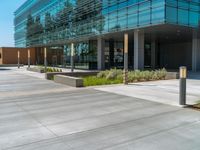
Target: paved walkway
x=36 y=114
x=23 y=70
x=166 y=91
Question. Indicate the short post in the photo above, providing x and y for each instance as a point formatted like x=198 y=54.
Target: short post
x=125 y=79
x=18 y=59
x=29 y=58
x=72 y=57
x=45 y=59
x=182 y=92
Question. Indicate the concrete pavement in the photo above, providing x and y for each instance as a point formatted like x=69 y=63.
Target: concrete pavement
x=36 y=114
x=165 y=91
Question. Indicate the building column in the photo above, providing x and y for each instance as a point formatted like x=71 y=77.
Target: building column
x=138 y=49
x=64 y=55
x=195 y=51
x=100 y=54
x=153 y=52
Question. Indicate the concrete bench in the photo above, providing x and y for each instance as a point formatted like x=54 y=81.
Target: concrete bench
x=36 y=69
x=172 y=75
x=69 y=80
x=50 y=75
x=11 y=65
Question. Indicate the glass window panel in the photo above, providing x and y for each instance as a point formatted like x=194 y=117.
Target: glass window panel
x=132 y=20
x=193 y=18
x=122 y=22
x=113 y=24
x=144 y=17
x=183 y=17
x=171 y=14
x=158 y=15
x=173 y=3
x=183 y=4
x=157 y=3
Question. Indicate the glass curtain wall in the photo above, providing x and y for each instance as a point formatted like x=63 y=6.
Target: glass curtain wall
x=183 y=12
x=40 y=22
x=44 y=22
x=85 y=56
x=114 y=54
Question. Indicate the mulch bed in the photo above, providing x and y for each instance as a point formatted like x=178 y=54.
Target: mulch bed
x=196 y=107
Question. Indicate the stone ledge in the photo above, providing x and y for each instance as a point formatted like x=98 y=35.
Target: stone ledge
x=50 y=75
x=172 y=75
x=69 y=80
x=11 y=65
x=40 y=70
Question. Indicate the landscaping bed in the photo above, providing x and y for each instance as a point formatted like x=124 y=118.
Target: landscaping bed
x=195 y=106
x=115 y=76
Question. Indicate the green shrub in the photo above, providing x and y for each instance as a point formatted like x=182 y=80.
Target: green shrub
x=114 y=74
x=49 y=69
x=162 y=73
x=111 y=75
x=93 y=81
x=102 y=74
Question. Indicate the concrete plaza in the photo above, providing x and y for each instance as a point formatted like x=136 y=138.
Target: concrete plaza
x=164 y=91
x=36 y=114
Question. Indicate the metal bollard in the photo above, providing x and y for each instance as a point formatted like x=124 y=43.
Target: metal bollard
x=182 y=90
x=18 y=59
x=125 y=79
x=29 y=58
x=72 y=57
x=45 y=59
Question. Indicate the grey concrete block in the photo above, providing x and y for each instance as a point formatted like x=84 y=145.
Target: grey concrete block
x=36 y=69
x=172 y=75
x=11 y=65
x=68 y=80
x=49 y=75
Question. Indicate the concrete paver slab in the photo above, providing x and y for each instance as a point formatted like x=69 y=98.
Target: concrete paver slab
x=166 y=91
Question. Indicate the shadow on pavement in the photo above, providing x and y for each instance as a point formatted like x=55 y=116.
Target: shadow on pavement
x=3 y=69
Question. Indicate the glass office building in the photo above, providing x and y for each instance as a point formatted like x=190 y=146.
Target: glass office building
x=162 y=33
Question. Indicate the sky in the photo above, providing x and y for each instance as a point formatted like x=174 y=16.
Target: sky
x=7 y=9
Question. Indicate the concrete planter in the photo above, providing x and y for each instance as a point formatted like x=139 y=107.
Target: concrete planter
x=172 y=75
x=11 y=65
x=69 y=80
x=50 y=75
x=40 y=70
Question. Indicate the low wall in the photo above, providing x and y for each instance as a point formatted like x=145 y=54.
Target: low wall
x=50 y=75
x=9 y=55
x=11 y=65
x=69 y=80
x=36 y=69
x=172 y=75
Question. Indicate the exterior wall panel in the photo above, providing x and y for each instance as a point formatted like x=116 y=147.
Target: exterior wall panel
x=1 y=56
x=9 y=55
